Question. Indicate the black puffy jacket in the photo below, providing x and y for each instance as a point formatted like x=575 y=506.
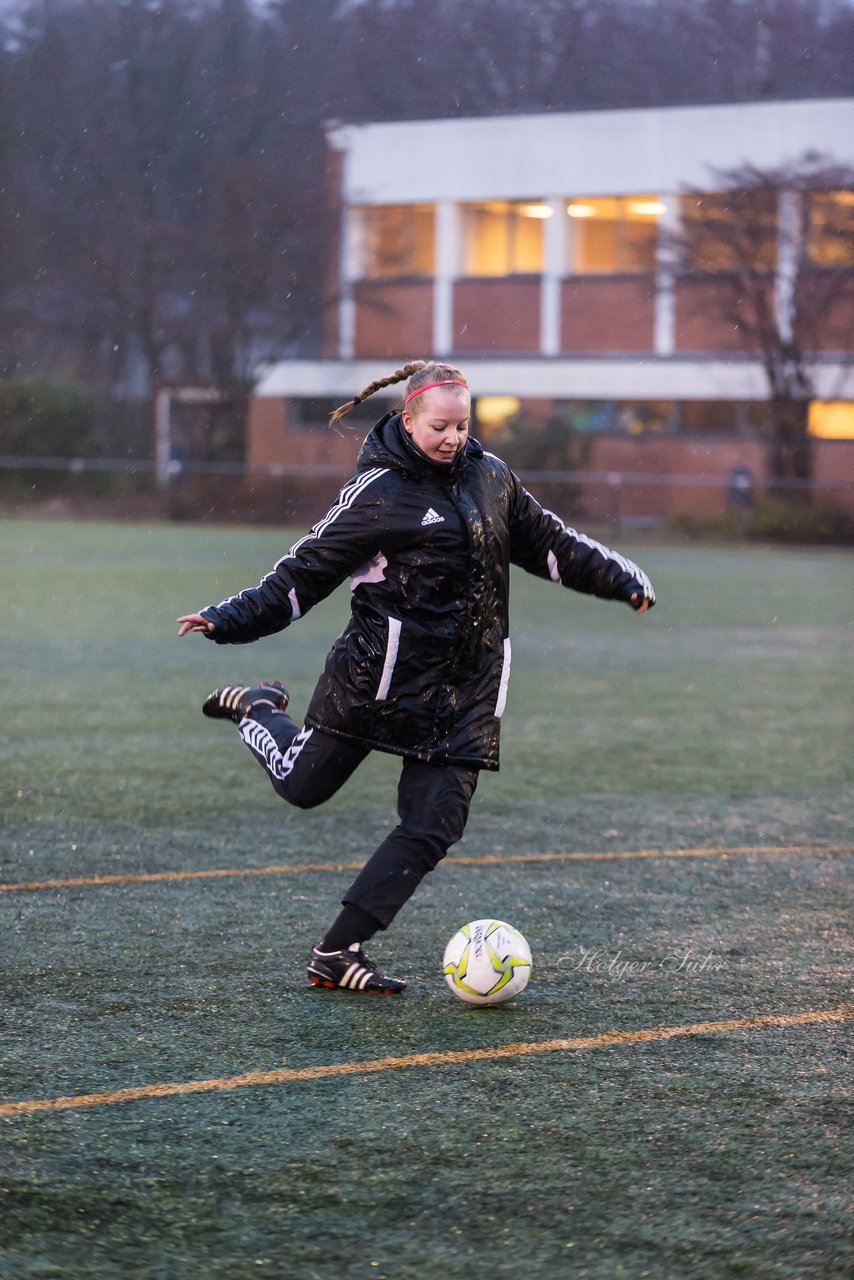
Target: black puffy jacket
x=422 y=667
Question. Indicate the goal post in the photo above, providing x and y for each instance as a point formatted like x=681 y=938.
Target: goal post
x=166 y=466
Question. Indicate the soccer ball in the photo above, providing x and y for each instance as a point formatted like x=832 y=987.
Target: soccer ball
x=487 y=962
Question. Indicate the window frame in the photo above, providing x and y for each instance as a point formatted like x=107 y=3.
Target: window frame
x=622 y=243
x=514 y=220
x=366 y=257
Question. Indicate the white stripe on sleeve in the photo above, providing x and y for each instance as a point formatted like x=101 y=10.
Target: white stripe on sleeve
x=346 y=498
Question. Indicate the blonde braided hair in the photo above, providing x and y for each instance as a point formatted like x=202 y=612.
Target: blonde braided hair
x=419 y=373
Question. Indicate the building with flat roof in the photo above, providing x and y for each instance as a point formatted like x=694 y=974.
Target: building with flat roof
x=537 y=253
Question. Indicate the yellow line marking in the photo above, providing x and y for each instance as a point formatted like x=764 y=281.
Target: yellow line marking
x=467 y=860
x=215 y=873
x=286 y=1075
x=608 y=856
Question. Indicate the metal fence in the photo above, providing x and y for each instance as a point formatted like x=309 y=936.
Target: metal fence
x=179 y=469
x=616 y=498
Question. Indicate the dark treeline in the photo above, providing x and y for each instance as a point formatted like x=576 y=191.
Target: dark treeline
x=162 y=162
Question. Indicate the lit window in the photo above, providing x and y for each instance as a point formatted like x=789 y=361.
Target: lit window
x=492 y=412
x=728 y=230
x=831 y=419
x=396 y=240
x=831 y=228
x=501 y=237
x=609 y=234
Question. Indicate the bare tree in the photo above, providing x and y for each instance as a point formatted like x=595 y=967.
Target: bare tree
x=166 y=201
x=257 y=220
x=781 y=245
x=101 y=90
x=163 y=198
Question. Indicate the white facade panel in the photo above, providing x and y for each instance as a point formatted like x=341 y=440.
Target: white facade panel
x=583 y=153
x=563 y=379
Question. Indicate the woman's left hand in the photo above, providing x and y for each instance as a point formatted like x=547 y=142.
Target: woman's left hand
x=194 y=622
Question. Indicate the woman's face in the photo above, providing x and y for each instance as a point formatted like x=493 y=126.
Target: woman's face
x=440 y=426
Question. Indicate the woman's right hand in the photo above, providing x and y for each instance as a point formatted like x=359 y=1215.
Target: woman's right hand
x=194 y=622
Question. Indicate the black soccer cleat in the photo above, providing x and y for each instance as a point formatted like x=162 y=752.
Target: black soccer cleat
x=351 y=970
x=234 y=701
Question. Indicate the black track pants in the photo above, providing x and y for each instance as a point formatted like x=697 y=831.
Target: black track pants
x=307 y=766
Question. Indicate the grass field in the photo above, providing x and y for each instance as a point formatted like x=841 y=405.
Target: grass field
x=667 y=1099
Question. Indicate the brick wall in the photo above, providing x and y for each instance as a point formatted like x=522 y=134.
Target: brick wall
x=394 y=317
x=272 y=441
x=607 y=314
x=497 y=315
x=702 y=319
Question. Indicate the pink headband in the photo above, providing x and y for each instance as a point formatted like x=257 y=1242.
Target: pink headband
x=445 y=382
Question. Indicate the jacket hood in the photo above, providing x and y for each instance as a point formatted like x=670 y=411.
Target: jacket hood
x=388 y=444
